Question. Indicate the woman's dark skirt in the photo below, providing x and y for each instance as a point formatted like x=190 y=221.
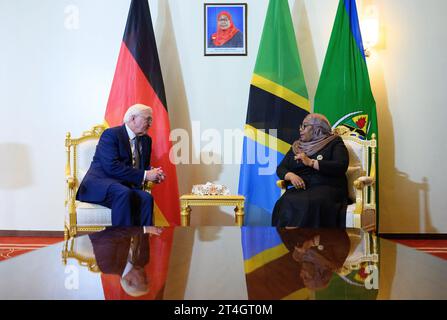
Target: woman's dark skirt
x=319 y=206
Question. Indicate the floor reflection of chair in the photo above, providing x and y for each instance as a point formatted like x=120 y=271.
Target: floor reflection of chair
x=81 y=250
x=363 y=252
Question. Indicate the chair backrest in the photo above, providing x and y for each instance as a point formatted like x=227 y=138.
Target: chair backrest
x=362 y=160
x=80 y=152
x=86 y=151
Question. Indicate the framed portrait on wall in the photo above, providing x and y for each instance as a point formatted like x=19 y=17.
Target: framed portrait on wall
x=225 y=29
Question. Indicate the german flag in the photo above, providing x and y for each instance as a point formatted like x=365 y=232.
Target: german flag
x=278 y=101
x=138 y=79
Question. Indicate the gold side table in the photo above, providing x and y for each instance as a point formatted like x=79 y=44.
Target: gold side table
x=188 y=200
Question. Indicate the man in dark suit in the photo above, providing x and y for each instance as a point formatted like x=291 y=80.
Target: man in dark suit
x=120 y=167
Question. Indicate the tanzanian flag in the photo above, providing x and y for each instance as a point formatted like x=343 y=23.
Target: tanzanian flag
x=278 y=102
x=138 y=79
x=344 y=93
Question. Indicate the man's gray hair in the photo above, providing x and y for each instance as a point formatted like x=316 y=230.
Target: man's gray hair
x=135 y=110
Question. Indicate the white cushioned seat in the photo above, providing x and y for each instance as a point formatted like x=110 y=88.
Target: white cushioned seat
x=89 y=214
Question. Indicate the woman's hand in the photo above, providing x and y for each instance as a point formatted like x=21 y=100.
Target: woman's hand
x=296 y=180
x=304 y=159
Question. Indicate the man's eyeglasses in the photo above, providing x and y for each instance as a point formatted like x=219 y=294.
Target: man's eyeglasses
x=304 y=126
x=148 y=119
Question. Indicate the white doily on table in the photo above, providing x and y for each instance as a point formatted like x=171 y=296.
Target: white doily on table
x=210 y=189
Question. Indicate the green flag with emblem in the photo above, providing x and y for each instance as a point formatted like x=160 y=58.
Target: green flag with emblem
x=344 y=93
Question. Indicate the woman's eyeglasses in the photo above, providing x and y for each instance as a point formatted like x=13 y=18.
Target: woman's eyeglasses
x=304 y=126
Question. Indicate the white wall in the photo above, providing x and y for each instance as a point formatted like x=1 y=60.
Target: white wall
x=54 y=80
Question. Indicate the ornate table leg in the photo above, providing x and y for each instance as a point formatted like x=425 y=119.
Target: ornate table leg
x=185 y=214
x=239 y=214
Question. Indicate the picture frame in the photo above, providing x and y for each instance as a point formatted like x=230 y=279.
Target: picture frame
x=225 y=29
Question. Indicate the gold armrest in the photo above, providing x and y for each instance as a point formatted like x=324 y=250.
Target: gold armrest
x=282 y=184
x=364 y=181
x=359 y=184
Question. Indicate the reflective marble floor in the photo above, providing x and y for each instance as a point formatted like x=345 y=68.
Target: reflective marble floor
x=209 y=263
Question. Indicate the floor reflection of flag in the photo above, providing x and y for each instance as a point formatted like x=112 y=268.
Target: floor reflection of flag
x=270 y=270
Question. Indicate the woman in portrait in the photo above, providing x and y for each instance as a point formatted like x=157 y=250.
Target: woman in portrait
x=315 y=168
x=227 y=35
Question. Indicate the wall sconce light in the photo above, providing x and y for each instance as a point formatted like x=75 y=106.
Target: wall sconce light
x=370 y=28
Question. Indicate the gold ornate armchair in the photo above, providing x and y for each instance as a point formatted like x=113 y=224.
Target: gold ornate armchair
x=83 y=216
x=361 y=175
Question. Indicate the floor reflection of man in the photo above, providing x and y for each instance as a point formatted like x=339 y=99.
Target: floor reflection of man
x=125 y=252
